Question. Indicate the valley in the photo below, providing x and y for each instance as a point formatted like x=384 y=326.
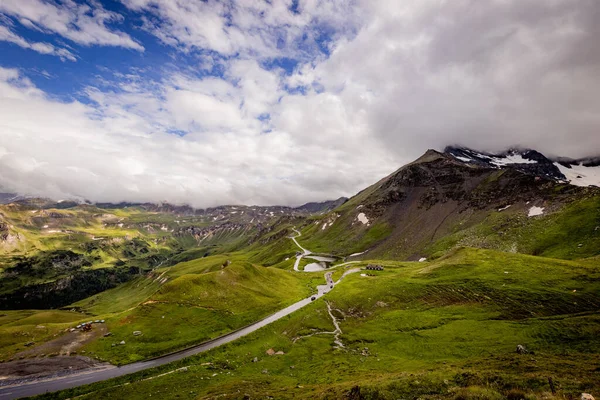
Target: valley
x=476 y=254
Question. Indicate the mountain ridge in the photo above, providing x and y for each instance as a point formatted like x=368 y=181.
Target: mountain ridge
x=579 y=172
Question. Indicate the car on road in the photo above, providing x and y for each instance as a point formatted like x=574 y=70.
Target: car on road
x=331 y=287
x=313 y=298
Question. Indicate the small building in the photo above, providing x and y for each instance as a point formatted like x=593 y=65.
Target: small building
x=374 y=267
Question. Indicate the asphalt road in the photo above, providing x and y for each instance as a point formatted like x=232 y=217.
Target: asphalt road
x=84 y=378
x=66 y=382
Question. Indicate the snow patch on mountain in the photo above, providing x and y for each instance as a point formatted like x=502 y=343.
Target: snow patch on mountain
x=510 y=159
x=580 y=175
x=535 y=211
x=465 y=159
x=362 y=218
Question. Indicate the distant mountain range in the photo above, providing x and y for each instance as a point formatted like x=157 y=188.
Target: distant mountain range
x=43 y=203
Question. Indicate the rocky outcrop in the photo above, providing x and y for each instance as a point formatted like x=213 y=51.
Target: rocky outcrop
x=528 y=161
x=4 y=231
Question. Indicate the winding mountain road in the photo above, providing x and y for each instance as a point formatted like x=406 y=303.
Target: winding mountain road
x=98 y=375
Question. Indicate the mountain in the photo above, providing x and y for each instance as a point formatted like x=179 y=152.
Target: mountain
x=6 y=198
x=515 y=201
x=582 y=172
x=325 y=206
x=53 y=253
x=506 y=255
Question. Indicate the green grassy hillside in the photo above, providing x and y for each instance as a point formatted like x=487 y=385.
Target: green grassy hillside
x=174 y=307
x=445 y=329
x=403 y=218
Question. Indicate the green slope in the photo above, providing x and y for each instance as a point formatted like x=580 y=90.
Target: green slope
x=446 y=329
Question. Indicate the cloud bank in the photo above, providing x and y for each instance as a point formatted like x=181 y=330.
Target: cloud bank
x=373 y=85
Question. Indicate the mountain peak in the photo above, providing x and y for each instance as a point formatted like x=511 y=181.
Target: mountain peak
x=429 y=156
x=585 y=172
x=527 y=161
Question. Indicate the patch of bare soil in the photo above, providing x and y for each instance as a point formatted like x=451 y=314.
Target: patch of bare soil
x=52 y=359
x=65 y=344
x=30 y=369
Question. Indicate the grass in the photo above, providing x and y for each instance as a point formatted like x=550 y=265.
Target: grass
x=445 y=329
x=194 y=305
x=174 y=307
x=571 y=232
x=24 y=326
x=345 y=236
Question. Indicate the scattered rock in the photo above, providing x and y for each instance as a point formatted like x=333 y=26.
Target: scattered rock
x=580 y=245
x=279 y=353
x=587 y=396
x=292 y=367
x=107 y=334
x=137 y=333
x=381 y=304
x=265 y=371
x=270 y=352
x=255 y=359
x=29 y=344
x=521 y=349
x=122 y=342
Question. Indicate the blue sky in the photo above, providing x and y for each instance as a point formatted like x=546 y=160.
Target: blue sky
x=65 y=77
x=281 y=101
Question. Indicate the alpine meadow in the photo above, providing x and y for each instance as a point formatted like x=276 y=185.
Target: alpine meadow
x=300 y=199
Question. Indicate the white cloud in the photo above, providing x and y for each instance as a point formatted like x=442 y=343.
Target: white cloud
x=485 y=74
x=257 y=28
x=402 y=78
x=7 y=35
x=113 y=151
x=85 y=24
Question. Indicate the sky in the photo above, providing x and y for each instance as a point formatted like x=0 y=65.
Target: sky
x=283 y=102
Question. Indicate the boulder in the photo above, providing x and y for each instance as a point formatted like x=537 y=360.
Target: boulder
x=587 y=396
x=270 y=352
x=279 y=353
x=521 y=349
x=122 y=342
x=137 y=333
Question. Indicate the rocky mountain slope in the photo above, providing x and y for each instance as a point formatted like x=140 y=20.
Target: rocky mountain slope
x=582 y=172
x=516 y=201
